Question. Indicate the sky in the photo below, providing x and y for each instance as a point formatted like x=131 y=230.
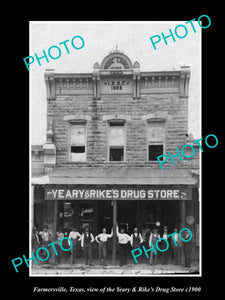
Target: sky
x=132 y=38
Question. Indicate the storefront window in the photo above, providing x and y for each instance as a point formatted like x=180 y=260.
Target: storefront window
x=68 y=213
x=86 y=216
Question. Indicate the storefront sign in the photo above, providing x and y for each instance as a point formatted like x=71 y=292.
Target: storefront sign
x=127 y=193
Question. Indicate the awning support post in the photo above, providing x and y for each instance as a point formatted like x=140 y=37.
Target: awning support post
x=114 y=203
x=183 y=216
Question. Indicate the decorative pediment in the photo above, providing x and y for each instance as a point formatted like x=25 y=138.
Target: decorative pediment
x=116 y=61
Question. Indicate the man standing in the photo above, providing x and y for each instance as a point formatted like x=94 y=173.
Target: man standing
x=46 y=236
x=36 y=241
x=176 y=249
x=154 y=236
x=187 y=248
x=101 y=239
x=74 y=235
x=66 y=245
x=136 y=239
x=163 y=245
x=86 y=244
x=59 y=235
x=123 y=240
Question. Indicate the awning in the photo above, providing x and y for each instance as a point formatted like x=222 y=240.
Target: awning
x=118 y=176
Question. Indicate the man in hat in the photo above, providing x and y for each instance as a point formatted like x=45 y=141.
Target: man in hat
x=102 y=239
x=86 y=244
x=176 y=248
x=154 y=236
x=75 y=236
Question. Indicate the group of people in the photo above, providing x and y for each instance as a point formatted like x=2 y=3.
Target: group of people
x=125 y=242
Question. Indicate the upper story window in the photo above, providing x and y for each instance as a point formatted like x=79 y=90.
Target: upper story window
x=77 y=141
x=116 y=141
x=156 y=138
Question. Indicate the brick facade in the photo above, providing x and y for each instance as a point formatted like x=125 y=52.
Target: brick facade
x=160 y=95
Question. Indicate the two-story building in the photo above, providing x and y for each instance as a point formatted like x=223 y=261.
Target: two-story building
x=99 y=164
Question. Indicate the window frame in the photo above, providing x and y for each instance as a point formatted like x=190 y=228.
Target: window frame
x=159 y=142
x=70 y=124
x=123 y=123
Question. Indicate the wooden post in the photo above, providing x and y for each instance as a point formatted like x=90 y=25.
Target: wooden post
x=183 y=215
x=114 y=203
x=32 y=208
x=55 y=220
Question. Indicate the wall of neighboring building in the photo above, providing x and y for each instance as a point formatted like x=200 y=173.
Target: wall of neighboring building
x=37 y=160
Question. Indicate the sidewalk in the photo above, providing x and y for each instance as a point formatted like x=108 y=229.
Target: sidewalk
x=131 y=269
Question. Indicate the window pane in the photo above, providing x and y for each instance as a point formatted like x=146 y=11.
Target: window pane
x=77 y=149
x=116 y=135
x=77 y=153
x=116 y=154
x=156 y=131
x=154 y=151
x=77 y=134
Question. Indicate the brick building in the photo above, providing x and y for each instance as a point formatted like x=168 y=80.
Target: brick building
x=99 y=164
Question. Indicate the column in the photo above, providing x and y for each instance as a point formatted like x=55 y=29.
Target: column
x=114 y=202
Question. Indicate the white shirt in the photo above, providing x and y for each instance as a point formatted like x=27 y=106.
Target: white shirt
x=156 y=235
x=122 y=237
x=176 y=236
x=164 y=235
x=60 y=235
x=46 y=235
x=103 y=237
x=74 y=235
